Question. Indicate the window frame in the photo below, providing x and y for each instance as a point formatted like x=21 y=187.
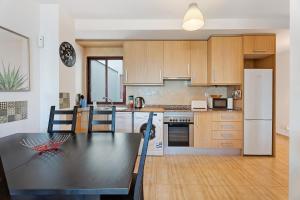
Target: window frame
x=88 y=76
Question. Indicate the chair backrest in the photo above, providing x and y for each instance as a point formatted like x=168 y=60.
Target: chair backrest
x=111 y=121
x=4 y=191
x=138 y=194
x=71 y=122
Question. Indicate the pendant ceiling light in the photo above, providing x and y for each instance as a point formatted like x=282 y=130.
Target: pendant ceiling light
x=193 y=18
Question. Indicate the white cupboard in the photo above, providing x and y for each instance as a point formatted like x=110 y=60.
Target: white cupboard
x=124 y=122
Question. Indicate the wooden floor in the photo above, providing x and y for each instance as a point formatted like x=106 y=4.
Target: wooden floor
x=218 y=177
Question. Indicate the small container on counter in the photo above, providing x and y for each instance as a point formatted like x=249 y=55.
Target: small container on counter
x=131 y=101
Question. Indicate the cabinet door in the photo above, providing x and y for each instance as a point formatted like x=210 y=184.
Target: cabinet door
x=198 y=62
x=154 y=62
x=202 y=130
x=124 y=122
x=232 y=60
x=215 y=60
x=177 y=59
x=264 y=43
x=259 y=45
x=143 y=62
x=225 y=60
x=134 y=61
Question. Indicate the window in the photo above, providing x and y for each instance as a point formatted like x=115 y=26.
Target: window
x=105 y=79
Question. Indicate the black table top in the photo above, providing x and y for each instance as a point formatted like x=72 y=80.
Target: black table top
x=100 y=164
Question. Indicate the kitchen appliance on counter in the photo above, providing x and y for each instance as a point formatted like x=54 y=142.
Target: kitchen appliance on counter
x=178 y=129
x=258 y=91
x=139 y=102
x=230 y=103
x=199 y=105
x=220 y=103
x=155 y=146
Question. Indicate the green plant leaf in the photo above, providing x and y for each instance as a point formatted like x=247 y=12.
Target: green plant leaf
x=12 y=79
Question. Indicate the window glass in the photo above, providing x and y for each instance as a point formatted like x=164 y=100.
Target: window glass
x=97 y=73
x=106 y=80
x=114 y=80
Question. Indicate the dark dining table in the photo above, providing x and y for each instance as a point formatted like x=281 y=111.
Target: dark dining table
x=86 y=164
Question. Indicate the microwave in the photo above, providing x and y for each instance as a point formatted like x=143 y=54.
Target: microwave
x=220 y=103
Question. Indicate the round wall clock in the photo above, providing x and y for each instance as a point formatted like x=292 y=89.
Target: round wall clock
x=67 y=54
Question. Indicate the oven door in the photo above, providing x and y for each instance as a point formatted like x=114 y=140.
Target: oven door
x=178 y=134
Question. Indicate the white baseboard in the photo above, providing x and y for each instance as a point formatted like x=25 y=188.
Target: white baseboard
x=283 y=132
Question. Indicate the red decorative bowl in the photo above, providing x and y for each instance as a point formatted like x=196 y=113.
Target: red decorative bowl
x=42 y=144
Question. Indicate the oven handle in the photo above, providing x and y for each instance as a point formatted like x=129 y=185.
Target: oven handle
x=185 y=123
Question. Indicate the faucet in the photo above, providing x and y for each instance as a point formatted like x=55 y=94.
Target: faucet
x=108 y=99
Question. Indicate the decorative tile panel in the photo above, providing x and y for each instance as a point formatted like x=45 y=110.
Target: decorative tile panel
x=13 y=111
x=64 y=100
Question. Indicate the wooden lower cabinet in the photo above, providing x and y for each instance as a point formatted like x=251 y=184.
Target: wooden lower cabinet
x=232 y=144
x=83 y=120
x=218 y=129
x=202 y=129
x=226 y=135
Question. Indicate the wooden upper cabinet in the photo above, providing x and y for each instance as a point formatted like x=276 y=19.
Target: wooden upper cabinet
x=259 y=46
x=143 y=62
x=177 y=56
x=198 y=62
x=225 y=60
x=154 y=62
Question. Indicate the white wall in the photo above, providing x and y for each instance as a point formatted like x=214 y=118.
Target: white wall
x=282 y=92
x=49 y=61
x=23 y=17
x=294 y=166
x=69 y=77
x=47 y=75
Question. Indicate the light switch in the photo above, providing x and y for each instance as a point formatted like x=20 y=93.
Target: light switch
x=41 y=41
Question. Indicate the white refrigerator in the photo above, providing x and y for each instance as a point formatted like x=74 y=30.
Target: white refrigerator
x=258 y=93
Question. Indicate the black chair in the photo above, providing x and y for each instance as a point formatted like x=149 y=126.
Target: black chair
x=71 y=122
x=111 y=122
x=4 y=191
x=136 y=190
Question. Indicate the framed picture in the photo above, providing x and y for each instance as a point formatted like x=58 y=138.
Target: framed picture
x=14 y=61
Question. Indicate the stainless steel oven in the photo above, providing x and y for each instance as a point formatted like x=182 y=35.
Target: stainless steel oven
x=179 y=129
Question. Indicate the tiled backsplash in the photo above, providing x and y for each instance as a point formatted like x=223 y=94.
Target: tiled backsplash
x=173 y=92
x=64 y=100
x=13 y=111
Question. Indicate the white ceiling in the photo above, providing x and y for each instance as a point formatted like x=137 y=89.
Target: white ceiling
x=174 y=9
x=162 y=19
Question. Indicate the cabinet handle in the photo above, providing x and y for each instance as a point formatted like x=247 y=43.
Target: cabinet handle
x=188 y=69
x=226 y=135
x=226 y=144
x=126 y=75
x=257 y=50
x=227 y=127
x=226 y=117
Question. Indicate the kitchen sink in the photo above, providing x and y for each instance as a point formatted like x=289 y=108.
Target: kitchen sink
x=121 y=108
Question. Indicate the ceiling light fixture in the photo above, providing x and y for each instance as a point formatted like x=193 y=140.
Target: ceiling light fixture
x=193 y=18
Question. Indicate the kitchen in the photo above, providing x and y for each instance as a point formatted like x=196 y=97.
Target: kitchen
x=201 y=96
x=221 y=112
